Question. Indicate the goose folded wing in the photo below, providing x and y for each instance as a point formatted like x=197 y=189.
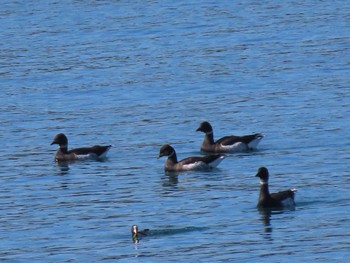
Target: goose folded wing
x=280 y=196
x=229 y=140
x=98 y=150
x=192 y=160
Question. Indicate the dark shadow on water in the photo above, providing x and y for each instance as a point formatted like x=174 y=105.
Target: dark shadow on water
x=170 y=181
x=267 y=215
x=171 y=175
x=63 y=168
x=266 y=219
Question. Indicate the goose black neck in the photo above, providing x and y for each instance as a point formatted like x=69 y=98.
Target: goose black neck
x=64 y=149
x=209 y=138
x=172 y=157
x=264 y=190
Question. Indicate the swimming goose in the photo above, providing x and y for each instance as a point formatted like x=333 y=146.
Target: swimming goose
x=227 y=144
x=275 y=200
x=62 y=154
x=190 y=163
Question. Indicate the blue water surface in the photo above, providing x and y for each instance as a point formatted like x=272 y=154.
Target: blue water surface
x=141 y=74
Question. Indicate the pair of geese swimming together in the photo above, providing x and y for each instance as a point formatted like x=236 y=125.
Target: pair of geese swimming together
x=227 y=144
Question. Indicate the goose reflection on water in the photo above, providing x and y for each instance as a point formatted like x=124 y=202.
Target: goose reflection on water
x=63 y=167
x=267 y=216
x=266 y=219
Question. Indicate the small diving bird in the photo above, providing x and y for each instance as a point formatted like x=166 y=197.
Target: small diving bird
x=135 y=233
x=275 y=200
x=191 y=163
x=63 y=154
x=227 y=144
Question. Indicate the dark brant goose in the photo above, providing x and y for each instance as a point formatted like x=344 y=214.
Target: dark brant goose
x=275 y=200
x=227 y=144
x=135 y=233
x=190 y=163
x=62 y=154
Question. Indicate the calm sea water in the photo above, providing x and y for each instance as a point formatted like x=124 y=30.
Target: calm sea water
x=143 y=73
